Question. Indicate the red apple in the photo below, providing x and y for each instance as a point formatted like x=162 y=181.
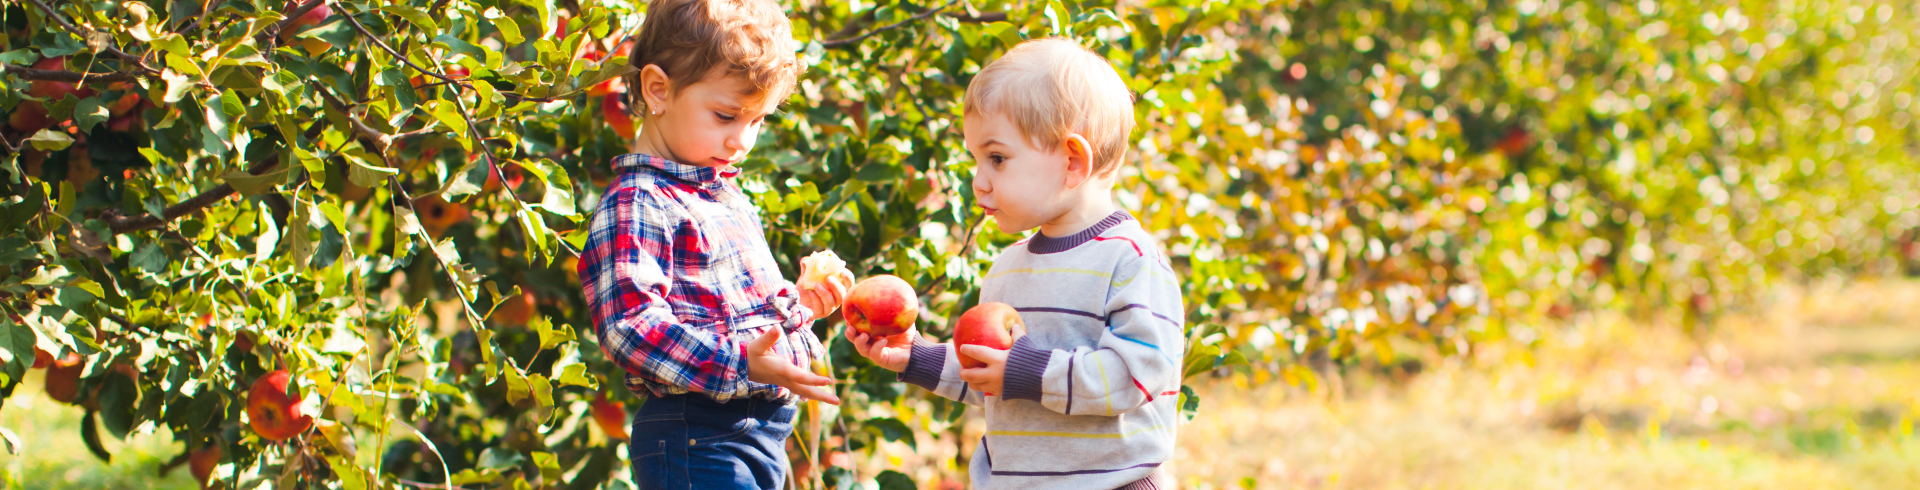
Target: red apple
x=311 y=18
x=51 y=90
x=41 y=358
x=614 y=110
x=990 y=324
x=63 y=378
x=436 y=214
x=271 y=412
x=611 y=417
x=29 y=117
x=882 y=306
x=515 y=310
x=202 y=463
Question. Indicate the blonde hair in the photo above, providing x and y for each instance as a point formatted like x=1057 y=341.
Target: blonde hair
x=1050 y=88
x=692 y=40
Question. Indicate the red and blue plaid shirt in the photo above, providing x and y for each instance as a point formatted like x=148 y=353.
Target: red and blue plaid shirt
x=679 y=277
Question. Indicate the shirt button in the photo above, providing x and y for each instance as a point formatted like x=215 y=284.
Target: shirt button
x=691 y=442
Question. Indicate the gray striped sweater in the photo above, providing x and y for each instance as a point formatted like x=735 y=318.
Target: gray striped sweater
x=1091 y=391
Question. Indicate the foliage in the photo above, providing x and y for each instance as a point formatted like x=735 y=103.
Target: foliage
x=368 y=200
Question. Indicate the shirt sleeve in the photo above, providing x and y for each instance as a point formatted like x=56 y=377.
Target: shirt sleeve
x=933 y=366
x=1133 y=363
x=625 y=270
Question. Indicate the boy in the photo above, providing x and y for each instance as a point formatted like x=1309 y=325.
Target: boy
x=1086 y=398
x=685 y=294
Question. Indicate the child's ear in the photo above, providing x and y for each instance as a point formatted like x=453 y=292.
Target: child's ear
x=655 y=88
x=1079 y=160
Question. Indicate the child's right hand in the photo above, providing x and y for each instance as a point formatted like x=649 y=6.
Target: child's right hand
x=889 y=352
x=766 y=365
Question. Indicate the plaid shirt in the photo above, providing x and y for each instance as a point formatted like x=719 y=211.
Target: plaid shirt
x=679 y=277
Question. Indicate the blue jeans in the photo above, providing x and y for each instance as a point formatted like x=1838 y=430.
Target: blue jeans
x=688 y=442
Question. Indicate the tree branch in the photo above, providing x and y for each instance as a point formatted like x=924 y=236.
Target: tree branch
x=379 y=139
x=124 y=224
x=836 y=43
x=271 y=36
x=116 y=52
x=74 y=76
x=983 y=18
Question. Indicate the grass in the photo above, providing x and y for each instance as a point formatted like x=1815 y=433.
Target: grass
x=52 y=456
x=1813 y=392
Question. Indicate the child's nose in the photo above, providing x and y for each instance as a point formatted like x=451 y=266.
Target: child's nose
x=740 y=141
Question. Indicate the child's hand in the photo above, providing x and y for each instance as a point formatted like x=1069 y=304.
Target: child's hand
x=765 y=365
x=889 y=352
x=987 y=379
x=823 y=283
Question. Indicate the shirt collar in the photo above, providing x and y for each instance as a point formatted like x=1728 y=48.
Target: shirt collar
x=1043 y=244
x=689 y=173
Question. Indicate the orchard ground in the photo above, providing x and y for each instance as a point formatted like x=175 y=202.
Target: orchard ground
x=1810 y=392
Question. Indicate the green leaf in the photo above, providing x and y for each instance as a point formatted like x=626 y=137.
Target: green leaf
x=89 y=113
x=90 y=434
x=509 y=31
x=576 y=375
x=50 y=140
x=250 y=184
x=364 y=174
x=119 y=402
x=418 y=17
x=895 y=480
x=449 y=114
x=890 y=428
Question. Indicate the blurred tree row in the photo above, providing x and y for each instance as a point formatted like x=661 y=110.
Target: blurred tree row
x=383 y=199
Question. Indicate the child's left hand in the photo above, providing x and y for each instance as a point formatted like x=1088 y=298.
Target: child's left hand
x=988 y=379
x=825 y=295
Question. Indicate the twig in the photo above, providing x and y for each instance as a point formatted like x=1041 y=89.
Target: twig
x=124 y=224
x=116 y=52
x=73 y=76
x=983 y=18
x=271 y=35
x=835 y=43
x=379 y=139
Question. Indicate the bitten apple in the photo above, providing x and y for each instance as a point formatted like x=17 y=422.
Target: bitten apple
x=882 y=306
x=992 y=324
x=819 y=266
x=273 y=414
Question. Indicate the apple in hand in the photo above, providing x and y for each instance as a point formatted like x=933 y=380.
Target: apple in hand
x=882 y=306
x=993 y=325
x=273 y=414
x=818 y=267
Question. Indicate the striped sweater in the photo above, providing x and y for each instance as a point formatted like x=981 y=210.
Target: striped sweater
x=1091 y=391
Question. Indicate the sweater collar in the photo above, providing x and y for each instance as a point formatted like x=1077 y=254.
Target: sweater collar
x=1043 y=244
x=681 y=171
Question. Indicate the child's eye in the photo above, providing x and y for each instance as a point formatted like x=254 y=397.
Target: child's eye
x=997 y=159
x=724 y=117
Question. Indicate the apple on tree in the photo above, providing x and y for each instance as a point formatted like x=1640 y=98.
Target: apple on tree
x=611 y=416
x=271 y=412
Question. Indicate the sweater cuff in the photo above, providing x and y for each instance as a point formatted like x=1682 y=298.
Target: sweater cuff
x=1025 y=367
x=924 y=366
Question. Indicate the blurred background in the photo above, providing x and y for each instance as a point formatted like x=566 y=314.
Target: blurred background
x=1561 y=244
